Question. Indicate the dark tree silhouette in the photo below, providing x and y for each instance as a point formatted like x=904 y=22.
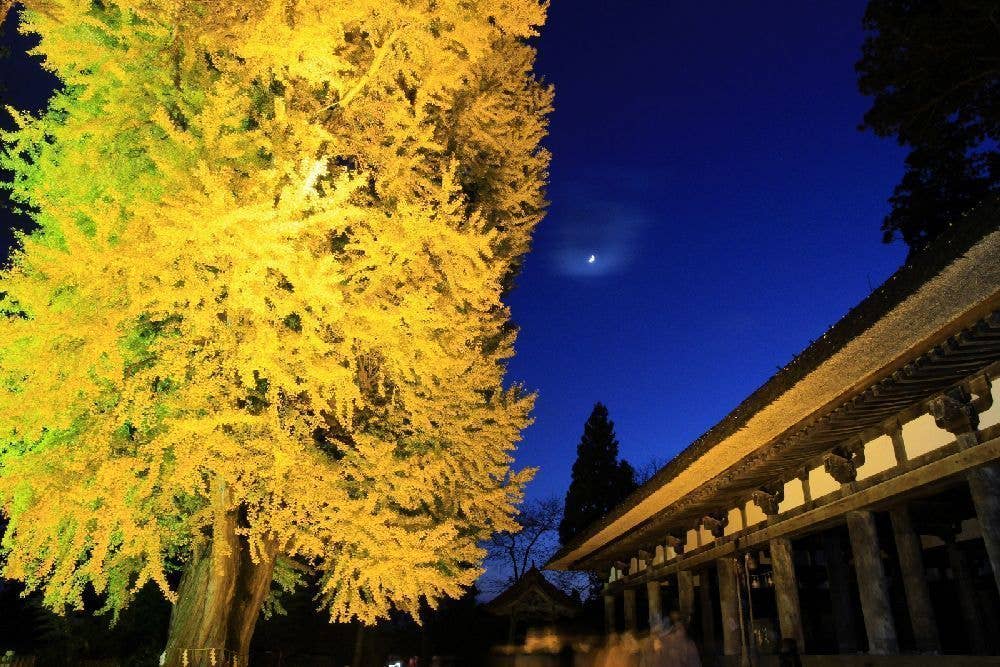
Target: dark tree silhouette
x=514 y=554
x=933 y=70
x=600 y=480
x=517 y=552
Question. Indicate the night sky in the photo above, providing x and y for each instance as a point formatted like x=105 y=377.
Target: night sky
x=707 y=155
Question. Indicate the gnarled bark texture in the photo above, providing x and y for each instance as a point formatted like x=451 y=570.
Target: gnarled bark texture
x=220 y=596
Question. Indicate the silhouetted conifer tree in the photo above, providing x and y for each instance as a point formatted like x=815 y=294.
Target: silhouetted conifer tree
x=931 y=68
x=600 y=480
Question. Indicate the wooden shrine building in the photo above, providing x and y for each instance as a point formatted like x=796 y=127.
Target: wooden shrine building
x=852 y=502
x=532 y=600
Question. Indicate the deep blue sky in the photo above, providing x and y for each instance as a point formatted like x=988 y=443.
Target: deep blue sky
x=707 y=154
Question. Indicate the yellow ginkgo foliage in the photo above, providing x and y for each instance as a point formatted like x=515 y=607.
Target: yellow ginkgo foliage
x=261 y=317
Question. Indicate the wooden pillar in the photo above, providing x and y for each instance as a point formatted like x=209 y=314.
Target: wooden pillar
x=966 y=597
x=707 y=612
x=728 y=572
x=655 y=596
x=807 y=495
x=685 y=594
x=898 y=446
x=984 y=485
x=957 y=412
x=610 y=622
x=631 y=621
x=840 y=592
x=786 y=591
x=874 y=591
x=911 y=565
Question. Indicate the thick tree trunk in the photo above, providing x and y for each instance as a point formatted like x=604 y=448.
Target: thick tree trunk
x=252 y=586
x=219 y=597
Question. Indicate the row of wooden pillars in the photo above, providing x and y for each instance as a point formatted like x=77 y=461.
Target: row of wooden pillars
x=872 y=589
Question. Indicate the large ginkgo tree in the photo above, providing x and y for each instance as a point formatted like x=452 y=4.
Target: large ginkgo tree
x=260 y=320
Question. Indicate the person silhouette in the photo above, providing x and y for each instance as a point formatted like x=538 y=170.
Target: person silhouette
x=677 y=648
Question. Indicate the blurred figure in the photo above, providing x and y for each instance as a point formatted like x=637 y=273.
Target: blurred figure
x=631 y=648
x=647 y=647
x=615 y=652
x=600 y=653
x=654 y=655
x=678 y=650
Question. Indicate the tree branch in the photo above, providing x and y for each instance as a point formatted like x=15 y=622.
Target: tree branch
x=380 y=55
x=513 y=559
x=531 y=545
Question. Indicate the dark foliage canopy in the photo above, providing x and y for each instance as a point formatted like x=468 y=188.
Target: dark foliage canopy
x=933 y=70
x=600 y=480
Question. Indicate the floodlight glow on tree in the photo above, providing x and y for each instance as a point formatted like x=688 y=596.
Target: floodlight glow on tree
x=261 y=320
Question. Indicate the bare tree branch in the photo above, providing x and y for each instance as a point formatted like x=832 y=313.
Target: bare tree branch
x=536 y=541
x=646 y=471
x=380 y=55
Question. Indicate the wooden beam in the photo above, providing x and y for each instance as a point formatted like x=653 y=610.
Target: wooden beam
x=833 y=506
x=691 y=561
x=945 y=468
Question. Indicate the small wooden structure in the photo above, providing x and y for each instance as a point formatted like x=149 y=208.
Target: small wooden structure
x=532 y=600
